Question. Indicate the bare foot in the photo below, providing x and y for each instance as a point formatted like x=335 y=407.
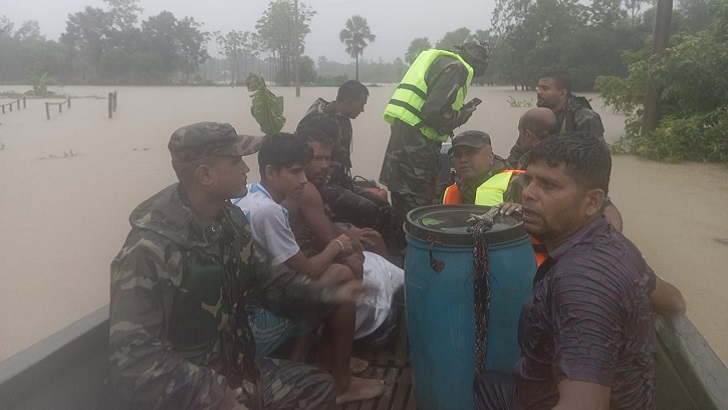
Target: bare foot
x=357 y=366
x=361 y=389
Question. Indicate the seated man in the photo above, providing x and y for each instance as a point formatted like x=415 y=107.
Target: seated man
x=586 y=331
x=483 y=176
x=281 y=161
x=346 y=201
x=179 y=337
x=533 y=127
x=375 y=321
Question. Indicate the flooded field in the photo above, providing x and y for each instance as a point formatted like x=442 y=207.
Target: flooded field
x=68 y=184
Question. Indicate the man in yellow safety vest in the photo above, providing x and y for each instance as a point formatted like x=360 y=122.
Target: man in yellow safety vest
x=428 y=104
x=484 y=178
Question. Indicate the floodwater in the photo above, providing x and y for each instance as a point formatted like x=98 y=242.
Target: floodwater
x=68 y=184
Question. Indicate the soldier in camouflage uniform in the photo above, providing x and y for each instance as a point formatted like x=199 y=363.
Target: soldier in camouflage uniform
x=573 y=113
x=412 y=159
x=346 y=202
x=179 y=337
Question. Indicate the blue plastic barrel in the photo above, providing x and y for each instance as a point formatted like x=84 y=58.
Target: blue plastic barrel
x=440 y=318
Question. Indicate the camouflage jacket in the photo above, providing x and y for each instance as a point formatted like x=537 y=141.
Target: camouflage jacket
x=178 y=331
x=445 y=76
x=411 y=160
x=576 y=116
x=340 y=169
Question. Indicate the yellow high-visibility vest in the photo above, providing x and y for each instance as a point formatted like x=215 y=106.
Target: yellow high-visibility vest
x=407 y=101
x=489 y=193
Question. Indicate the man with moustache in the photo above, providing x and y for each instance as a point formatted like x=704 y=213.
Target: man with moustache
x=586 y=330
x=179 y=336
x=573 y=113
x=483 y=177
x=375 y=321
x=534 y=126
x=346 y=201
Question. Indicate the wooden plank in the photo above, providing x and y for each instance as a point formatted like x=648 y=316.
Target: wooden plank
x=390 y=379
x=404 y=386
x=376 y=373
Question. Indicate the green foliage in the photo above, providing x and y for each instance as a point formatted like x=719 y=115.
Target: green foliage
x=691 y=80
x=40 y=85
x=417 y=46
x=282 y=31
x=700 y=137
x=453 y=39
x=266 y=107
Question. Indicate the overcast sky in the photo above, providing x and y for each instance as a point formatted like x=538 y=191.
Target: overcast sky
x=394 y=22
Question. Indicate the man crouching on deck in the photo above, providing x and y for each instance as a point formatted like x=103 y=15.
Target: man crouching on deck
x=586 y=330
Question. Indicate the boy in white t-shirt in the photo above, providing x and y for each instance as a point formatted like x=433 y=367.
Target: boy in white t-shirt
x=282 y=159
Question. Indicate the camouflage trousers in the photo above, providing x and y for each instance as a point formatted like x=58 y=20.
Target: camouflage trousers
x=402 y=203
x=411 y=162
x=410 y=168
x=291 y=385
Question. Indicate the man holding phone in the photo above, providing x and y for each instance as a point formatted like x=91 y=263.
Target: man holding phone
x=424 y=110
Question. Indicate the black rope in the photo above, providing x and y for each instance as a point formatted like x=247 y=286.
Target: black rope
x=481 y=287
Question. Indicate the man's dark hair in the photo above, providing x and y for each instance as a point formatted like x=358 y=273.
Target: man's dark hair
x=586 y=157
x=283 y=150
x=313 y=134
x=561 y=78
x=322 y=122
x=350 y=90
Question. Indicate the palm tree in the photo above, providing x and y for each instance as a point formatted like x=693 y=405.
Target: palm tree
x=356 y=36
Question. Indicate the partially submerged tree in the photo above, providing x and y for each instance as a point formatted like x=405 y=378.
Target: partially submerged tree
x=356 y=36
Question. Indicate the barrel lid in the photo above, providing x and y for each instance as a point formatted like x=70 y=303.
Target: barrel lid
x=448 y=225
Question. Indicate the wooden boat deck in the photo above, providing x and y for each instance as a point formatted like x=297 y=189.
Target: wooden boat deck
x=393 y=366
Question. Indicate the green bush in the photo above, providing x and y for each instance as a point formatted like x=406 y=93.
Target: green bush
x=691 y=77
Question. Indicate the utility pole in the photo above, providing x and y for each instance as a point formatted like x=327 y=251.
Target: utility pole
x=296 y=79
x=660 y=40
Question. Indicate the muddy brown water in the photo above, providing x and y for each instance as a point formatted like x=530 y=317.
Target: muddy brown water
x=64 y=215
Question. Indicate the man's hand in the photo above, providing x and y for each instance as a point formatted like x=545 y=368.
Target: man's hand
x=230 y=402
x=345 y=243
x=507 y=208
x=362 y=235
x=352 y=291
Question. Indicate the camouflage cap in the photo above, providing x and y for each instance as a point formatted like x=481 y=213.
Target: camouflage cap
x=477 y=52
x=475 y=139
x=204 y=139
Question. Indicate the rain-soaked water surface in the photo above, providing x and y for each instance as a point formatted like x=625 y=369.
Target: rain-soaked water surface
x=69 y=183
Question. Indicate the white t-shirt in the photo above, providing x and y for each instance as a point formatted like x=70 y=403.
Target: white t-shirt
x=269 y=224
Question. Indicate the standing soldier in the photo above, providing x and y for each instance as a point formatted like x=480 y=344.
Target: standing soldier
x=424 y=110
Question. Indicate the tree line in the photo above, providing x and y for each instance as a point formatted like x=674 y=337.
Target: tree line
x=111 y=45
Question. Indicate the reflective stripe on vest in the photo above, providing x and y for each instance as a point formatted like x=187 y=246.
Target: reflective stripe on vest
x=409 y=97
